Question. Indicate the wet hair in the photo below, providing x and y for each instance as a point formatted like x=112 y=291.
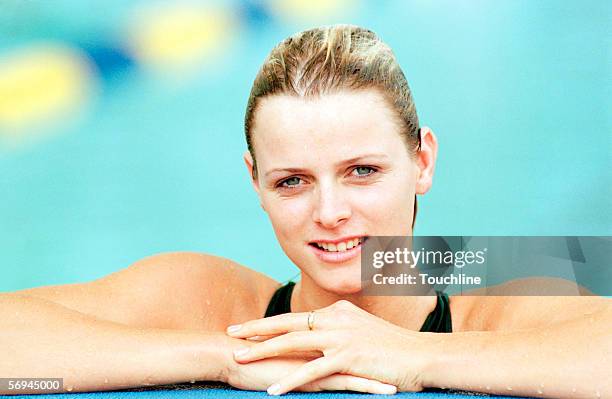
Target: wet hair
x=330 y=59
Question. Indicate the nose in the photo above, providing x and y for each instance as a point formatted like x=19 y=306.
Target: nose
x=331 y=208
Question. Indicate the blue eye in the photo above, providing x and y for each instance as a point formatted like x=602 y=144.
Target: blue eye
x=363 y=170
x=290 y=182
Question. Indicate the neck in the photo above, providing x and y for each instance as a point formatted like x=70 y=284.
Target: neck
x=405 y=311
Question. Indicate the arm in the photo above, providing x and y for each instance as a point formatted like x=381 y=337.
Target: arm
x=44 y=339
x=145 y=325
x=170 y=290
x=571 y=358
x=568 y=359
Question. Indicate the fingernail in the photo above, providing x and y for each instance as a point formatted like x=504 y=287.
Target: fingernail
x=240 y=352
x=234 y=328
x=274 y=389
x=389 y=389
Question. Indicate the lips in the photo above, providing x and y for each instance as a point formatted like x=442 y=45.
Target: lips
x=337 y=251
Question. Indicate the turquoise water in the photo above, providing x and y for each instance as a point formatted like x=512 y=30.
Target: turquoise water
x=518 y=93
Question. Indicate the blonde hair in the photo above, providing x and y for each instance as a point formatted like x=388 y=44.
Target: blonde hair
x=330 y=59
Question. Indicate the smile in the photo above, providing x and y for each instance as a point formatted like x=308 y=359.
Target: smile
x=340 y=246
x=337 y=251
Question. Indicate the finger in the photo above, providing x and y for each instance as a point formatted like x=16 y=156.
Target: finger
x=275 y=325
x=292 y=342
x=261 y=338
x=307 y=373
x=344 y=382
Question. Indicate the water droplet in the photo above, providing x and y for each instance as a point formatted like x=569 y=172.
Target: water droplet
x=192 y=381
x=208 y=301
x=69 y=388
x=574 y=389
x=488 y=387
x=598 y=394
x=509 y=388
x=540 y=391
x=106 y=380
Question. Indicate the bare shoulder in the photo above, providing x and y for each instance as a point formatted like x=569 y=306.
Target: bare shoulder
x=515 y=305
x=180 y=290
x=206 y=291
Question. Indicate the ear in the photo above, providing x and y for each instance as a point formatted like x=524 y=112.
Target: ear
x=426 y=160
x=248 y=161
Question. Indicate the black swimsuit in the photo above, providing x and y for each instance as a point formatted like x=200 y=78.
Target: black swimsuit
x=438 y=321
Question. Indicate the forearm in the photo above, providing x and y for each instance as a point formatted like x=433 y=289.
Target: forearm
x=570 y=359
x=42 y=339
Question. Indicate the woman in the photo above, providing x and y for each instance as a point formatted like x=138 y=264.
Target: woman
x=336 y=155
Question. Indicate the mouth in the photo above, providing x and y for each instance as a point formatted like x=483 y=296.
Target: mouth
x=337 y=251
x=339 y=246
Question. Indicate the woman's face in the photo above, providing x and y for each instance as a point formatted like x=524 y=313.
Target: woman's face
x=332 y=170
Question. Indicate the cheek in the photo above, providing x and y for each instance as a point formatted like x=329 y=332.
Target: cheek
x=388 y=206
x=287 y=214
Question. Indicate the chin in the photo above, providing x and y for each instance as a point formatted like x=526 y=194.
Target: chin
x=342 y=284
x=340 y=279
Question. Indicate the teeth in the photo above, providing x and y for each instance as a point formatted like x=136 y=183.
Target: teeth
x=340 y=247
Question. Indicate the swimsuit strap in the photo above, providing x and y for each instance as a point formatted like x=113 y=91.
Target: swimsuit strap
x=281 y=300
x=439 y=320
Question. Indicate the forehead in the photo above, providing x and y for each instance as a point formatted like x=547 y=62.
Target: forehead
x=291 y=129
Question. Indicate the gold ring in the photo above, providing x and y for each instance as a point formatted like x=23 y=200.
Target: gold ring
x=311 y=320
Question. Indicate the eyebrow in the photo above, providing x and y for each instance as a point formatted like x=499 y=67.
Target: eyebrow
x=357 y=159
